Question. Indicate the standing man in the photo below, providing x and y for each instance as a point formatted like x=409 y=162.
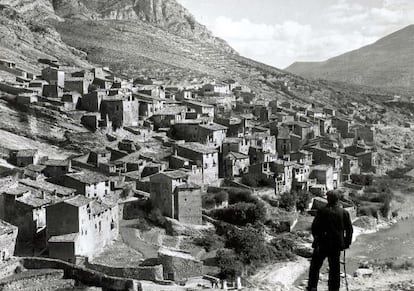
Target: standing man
x=332 y=233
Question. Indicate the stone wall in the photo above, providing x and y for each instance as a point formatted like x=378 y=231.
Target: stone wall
x=148 y=273
x=84 y=275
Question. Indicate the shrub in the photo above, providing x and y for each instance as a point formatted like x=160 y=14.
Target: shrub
x=248 y=180
x=288 y=201
x=229 y=264
x=209 y=242
x=237 y=195
x=157 y=218
x=303 y=200
x=241 y=213
x=364 y=180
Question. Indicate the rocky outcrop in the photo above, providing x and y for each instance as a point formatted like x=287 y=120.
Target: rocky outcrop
x=166 y=14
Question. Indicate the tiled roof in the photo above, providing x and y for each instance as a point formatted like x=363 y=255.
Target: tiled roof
x=213 y=126
x=47 y=186
x=236 y=156
x=70 y=237
x=6 y=227
x=197 y=147
x=88 y=177
x=78 y=201
x=177 y=174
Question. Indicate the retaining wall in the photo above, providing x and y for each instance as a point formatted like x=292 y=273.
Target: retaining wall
x=84 y=275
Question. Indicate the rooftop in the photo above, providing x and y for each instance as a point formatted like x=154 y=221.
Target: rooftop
x=198 y=103
x=236 y=156
x=171 y=110
x=56 y=163
x=78 y=201
x=213 y=126
x=6 y=227
x=26 y=153
x=88 y=177
x=70 y=237
x=47 y=186
x=98 y=207
x=198 y=147
x=177 y=174
x=175 y=253
x=189 y=186
x=17 y=191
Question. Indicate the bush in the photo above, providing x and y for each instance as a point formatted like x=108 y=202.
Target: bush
x=230 y=265
x=157 y=218
x=237 y=195
x=209 y=242
x=364 y=180
x=248 y=180
x=288 y=201
x=241 y=213
x=303 y=200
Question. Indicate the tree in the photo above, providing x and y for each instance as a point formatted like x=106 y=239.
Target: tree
x=303 y=200
x=230 y=265
x=241 y=213
x=288 y=201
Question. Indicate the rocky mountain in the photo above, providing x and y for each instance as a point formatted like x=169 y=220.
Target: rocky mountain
x=389 y=62
x=166 y=14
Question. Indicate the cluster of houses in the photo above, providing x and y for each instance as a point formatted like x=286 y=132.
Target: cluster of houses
x=200 y=136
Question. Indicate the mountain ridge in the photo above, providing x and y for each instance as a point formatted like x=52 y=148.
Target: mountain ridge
x=388 y=62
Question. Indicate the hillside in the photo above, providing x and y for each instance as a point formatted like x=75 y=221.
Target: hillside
x=389 y=62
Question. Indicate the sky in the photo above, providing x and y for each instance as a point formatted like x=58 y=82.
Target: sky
x=280 y=32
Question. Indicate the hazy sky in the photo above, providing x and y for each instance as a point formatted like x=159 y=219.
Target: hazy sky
x=280 y=32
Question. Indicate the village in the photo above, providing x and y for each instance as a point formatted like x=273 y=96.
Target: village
x=168 y=149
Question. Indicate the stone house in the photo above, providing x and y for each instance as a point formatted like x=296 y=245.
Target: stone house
x=24 y=157
x=148 y=105
x=25 y=207
x=92 y=101
x=102 y=83
x=301 y=173
x=120 y=110
x=154 y=91
x=163 y=187
x=26 y=98
x=283 y=142
x=77 y=84
x=71 y=100
x=165 y=117
x=302 y=157
x=365 y=133
x=52 y=91
x=342 y=125
x=235 y=144
x=205 y=157
x=212 y=134
x=57 y=168
x=236 y=164
x=235 y=126
x=54 y=76
x=187 y=204
x=88 y=183
x=232 y=84
x=325 y=175
x=179 y=266
x=263 y=141
x=37 y=86
x=217 y=89
x=201 y=108
x=80 y=227
x=8 y=236
x=350 y=166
